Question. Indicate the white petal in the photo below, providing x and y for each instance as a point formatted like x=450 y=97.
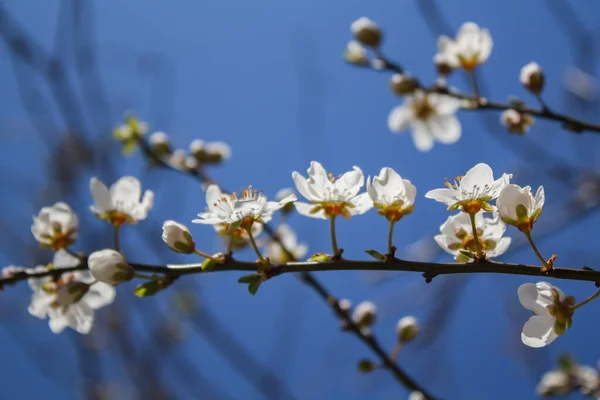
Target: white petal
x=350 y=183
x=213 y=194
x=528 y=296
x=422 y=136
x=485 y=45
x=40 y=304
x=101 y=195
x=445 y=195
x=126 y=190
x=540 y=198
x=399 y=118
x=480 y=175
x=362 y=203
x=302 y=186
x=445 y=128
x=62 y=259
x=99 y=295
x=305 y=208
x=501 y=247
x=538 y=331
x=58 y=323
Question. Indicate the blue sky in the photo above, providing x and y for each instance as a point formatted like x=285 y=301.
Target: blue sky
x=268 y=78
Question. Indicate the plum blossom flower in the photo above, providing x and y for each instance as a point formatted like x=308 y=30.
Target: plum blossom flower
x=55 y=227
x=287 y=237
x=209 y=152
x=236 y=212
x=330 y=197
x=356 y=54
x=515 y=121
x=69 y=300
x=177 y=236
x=519 y=207
x=473 y=191
x=430 y=117
x=121 y=204
x=130 y=133
x=457 y=234
x=569 y=377
x=366 y=32
x=471 y=47
x=109 y=266
x=392 y=196
x=552 y=313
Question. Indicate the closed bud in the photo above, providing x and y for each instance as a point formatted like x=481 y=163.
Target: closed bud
x=191 y=163
x=442 y=66
x=365 y=314
x=177 y=159
x=344 y=304
x=403 y=84
x=356 y=54
x=365 y=366
x=516 y=122
x=159 y=143
x=532 y=77
x=109 y=266
x=416 y=395
x=177 y=236
x=209 y=152
x=71 y=293
x=367 y=32
x=407 y=329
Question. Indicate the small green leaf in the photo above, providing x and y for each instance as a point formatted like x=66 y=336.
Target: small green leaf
x=454 y=207
x=320 y=257
x=249 y=278
x=149 y=288
x=467 y=253
x=209 y=264
x=566 y=362
x=253 y=287
x=375 y=254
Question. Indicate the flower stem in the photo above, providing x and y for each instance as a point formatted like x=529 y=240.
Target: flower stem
x=116 y=237
x=474 y=85
x=390 y=238
x=205 y=255
x=583 y=303
x=475 y=236
x=547 y=267
x=255 y=247
x=334 y=244
x=396 y=351
x=542 y=102
x=144 y=276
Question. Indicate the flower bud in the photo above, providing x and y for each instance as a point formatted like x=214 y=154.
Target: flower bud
x=109 y=266
x=403 y=84
x=515 y=121
x=365 y=366
x=71 y=293
x=416 y=395
x=356 y=54
x=442 y=66
x=407 y=329
x=532 y=77
x=177 y=236
x=177 y=159
x=365 y=314
x=366 y=32
x=344 y=304
x=191 y=163
x=159 y=143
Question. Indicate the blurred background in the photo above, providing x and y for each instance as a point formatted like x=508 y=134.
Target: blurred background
x=268 y=78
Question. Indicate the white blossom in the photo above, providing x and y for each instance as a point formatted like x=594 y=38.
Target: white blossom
x=78 y=315
x=554 y=383
x=177 y=159
x=471 y=47
x=366 y=32
x=159 y=139
x=392 y=196
x=515 y=121
x=356 y=54
x=519 y=207
x=552 y=313
x=55 y=227
x=457 y=234
x=365 y=313
x=344 y=304
x=131 y=129
x=209 y=152
x=288 y=238
x=329 y=197
x=177 y=236
x=430 y=117
x=251 y=207
x=569 y=378
x=407 y=329
x=471 y=191
x=109 y=266
x=121 y=204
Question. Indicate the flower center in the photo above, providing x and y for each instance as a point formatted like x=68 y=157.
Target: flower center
x=118 y=218
x=423 y=109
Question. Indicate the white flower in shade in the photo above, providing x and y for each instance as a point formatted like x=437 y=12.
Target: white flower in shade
x=430 y=117
x=365 y=314
x=516 y=122
x=287 y=237
x=588 y=380
x=9 y=272
x=457 y=235
x=109 y=266
x=569 y=378
x=392 y=196
x=209 y=152
x=554 y=383
x=177 y=236
x=519 y=207
x=330 y=197
x=55 y=227
x=242 y=212
x=356 y=54
x=416 y=395
x=552 y=313
x=121 y=204
x=407 y=329
x=472 y=191
x=532 y=77
x=366 y=32
x=471 y=47
x=70 y=300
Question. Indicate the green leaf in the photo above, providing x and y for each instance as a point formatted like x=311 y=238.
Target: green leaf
x=149 y=288
x=249 y=278
x=253 y=287
x=375 y=254
x=320 y=257
x=566 y=362
x=209 y=264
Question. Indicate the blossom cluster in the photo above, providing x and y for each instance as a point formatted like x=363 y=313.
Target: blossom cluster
x=429 y=113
